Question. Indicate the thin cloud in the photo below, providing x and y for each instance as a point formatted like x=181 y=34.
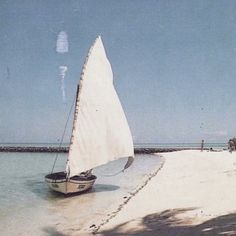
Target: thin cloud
x=63 y=70
x=219 y=133
x=62 y=42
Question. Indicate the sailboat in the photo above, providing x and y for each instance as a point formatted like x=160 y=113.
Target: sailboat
x=100 y=131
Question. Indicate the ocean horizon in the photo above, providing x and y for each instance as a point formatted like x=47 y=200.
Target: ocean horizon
x=136 y=145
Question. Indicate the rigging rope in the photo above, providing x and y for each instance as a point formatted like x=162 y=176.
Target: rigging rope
x=64 y=131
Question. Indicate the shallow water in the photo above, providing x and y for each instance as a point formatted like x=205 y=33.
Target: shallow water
x=28 y=207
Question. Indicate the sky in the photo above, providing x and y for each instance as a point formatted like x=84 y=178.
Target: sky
x=174 y=65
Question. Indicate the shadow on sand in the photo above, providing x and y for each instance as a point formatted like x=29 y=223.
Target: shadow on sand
x=104 y=188
x=166 y=223
x=50 y=231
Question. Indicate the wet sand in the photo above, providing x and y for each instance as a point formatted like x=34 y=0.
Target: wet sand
x=193 y=194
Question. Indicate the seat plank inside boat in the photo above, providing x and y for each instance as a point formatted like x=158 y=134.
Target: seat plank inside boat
x=62 y=175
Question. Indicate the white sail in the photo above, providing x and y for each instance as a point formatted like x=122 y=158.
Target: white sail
x=100 y=132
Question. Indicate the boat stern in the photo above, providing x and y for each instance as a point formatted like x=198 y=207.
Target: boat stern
x=59 y=183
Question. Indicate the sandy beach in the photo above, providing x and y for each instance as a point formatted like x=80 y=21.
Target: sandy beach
x=193 y=194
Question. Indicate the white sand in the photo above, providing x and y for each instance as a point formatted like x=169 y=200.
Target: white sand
x=193 y=194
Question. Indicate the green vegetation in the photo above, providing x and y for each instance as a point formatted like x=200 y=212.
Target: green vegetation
x=232 y=144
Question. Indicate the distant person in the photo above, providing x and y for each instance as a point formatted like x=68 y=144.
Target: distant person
x=202 y=145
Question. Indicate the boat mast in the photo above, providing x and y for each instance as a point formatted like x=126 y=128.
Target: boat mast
x=79 y=89
x=75 y=114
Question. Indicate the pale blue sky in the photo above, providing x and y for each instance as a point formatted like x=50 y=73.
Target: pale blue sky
x=174 y=64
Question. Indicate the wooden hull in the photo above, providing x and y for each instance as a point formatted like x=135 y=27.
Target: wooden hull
x=58 y=182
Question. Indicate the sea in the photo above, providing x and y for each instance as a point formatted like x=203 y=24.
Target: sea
x=29 y=207
x=137 y=145
x=218 y=146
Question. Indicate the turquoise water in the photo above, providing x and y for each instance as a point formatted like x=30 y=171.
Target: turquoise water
x=182 y=145
x=28 y=207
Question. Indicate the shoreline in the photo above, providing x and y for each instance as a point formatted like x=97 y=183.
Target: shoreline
x=95 y=228
x=54 y=214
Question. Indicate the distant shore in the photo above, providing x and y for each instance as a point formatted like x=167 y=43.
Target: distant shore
x=139 y=150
